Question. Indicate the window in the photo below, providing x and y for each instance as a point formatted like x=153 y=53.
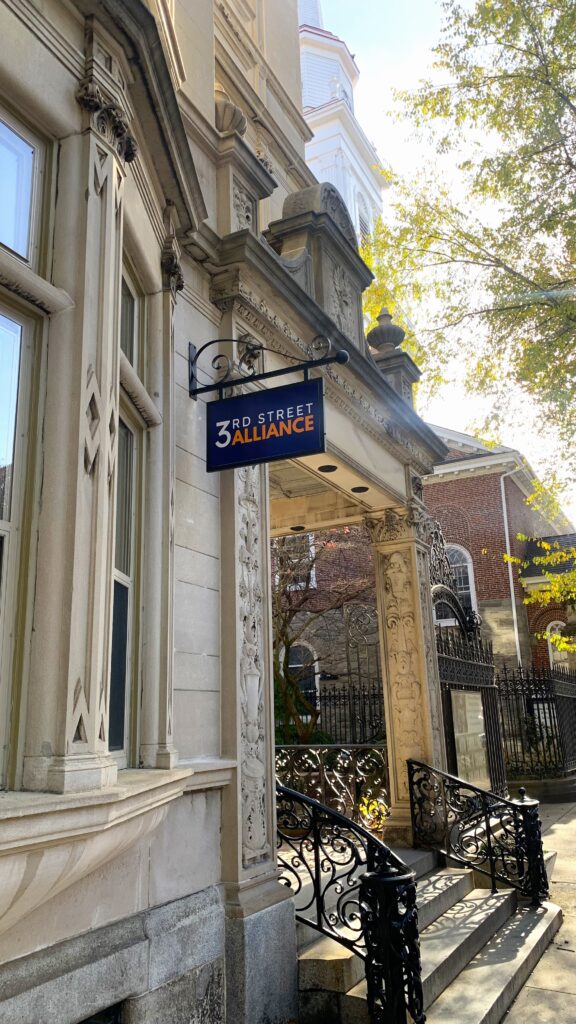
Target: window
x=15 y=363
x=558 y=659
x=461 y=562
x=20 y=168
x=363 y=219
x=131 y=320
x=302 y=666
x=463 y=569
x=295 y=562
x=122 y=661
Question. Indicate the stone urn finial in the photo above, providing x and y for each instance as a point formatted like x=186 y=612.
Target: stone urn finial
x=387 y=336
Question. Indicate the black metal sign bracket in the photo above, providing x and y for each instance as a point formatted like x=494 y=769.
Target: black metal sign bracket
x=244 y=369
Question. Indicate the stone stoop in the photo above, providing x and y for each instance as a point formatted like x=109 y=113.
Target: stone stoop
x=477 y=951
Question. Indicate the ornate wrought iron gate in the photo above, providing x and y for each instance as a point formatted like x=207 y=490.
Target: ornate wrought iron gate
x=469 y=692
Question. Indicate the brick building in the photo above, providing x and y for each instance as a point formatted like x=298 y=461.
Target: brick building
x=478 y=494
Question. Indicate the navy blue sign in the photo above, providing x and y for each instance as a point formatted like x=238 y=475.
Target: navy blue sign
x=281 y=423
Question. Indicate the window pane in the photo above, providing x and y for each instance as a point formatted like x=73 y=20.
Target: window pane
x=16 y=166
x=123 y=558
x=118 y=667
x=127 y=321
x=10 y=338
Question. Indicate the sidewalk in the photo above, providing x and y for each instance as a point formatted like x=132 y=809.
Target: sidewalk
x=549 y=995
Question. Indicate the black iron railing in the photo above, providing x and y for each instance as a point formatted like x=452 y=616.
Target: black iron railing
x=498 y=837
x=349 y=885
x=538 y=714
x=350 y=713
x=351 y=779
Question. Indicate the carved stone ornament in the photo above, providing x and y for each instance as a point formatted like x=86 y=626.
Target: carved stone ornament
x=244 y=208
x=395 y=523
x=108 y=120
x=322 y=198
x=172 y=276
x=402 y=648
x=341 y=300
x=255 y=843
x=434 y=698
x=228 y=117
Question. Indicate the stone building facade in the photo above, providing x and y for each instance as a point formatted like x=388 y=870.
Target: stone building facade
x=156 y=195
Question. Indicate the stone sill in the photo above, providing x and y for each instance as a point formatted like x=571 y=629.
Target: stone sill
x=208 y=772
x=31 y=819
x=49 y=841
x=18 y=277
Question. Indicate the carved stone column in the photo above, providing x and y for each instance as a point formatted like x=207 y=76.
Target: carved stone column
x=412 y=701
x=260 y=920
x=67 y=729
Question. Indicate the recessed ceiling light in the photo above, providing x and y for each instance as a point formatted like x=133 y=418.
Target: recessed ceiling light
x=297 y=529
x=327 y=469
x=360 y=490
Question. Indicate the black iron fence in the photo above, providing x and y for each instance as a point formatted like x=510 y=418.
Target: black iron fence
x=348 y=714
x=538 y=715
x=351 y=779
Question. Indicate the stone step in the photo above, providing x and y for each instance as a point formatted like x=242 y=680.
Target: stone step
x=324 y=964
x=439 y=891
x=489 y=984
x=329 y=966
x=450 y=942
x=447 y=946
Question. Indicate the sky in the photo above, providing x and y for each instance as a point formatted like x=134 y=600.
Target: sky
x=392 y=42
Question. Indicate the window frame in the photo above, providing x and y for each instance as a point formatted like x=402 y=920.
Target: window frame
x=12 y=530
x=15 y=124
x=471 y=580
x=137 y=362
x=126 y=755
x=553 y=652
x=301 y=584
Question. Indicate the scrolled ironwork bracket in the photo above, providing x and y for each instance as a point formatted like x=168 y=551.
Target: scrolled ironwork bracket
x=250 y=351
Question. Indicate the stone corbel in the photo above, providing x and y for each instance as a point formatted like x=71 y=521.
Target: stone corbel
x=108 y=119
x=228 y=117
x=172 y=276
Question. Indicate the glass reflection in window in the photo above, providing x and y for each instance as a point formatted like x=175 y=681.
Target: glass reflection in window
x=16 y=175
x=10 y=344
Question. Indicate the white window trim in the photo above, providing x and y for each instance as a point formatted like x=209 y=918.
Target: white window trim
x=464 y=551
x=132 y=584
x=304 y=643
x=556 y=626
x=31 y=258
x=11 y=530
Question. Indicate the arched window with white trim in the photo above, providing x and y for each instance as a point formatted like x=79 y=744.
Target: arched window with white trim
x=556 y=658
x=461 y=562
x=303 y=666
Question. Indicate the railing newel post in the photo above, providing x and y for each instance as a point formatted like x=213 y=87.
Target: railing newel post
x=536 y=880
x=393 y=968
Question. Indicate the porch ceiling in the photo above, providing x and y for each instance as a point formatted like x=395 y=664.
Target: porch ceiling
x=301 y=494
